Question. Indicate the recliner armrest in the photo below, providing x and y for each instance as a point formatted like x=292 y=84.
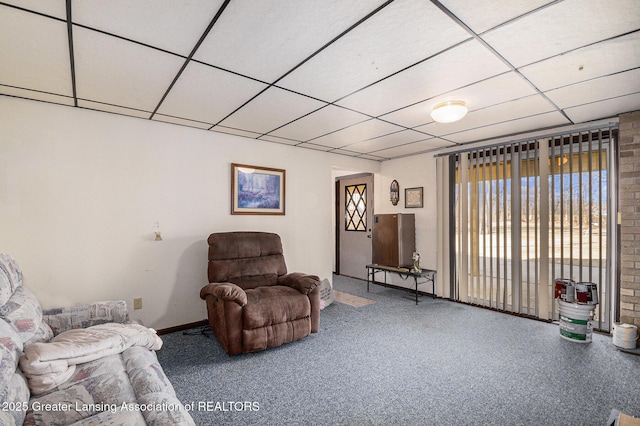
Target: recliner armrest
x=304 y=283
x=225 y=291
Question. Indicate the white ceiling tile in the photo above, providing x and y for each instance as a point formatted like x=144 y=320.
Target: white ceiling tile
x=463 y=65
x=387 y=141
x=318 y=123
x=37 y=58
x=283 y=141
x=345 y=152
x=411 y=116
x=55 y=8
x=236 y=132
x=596 y=89
x=506 y=111
x=439 y=143
x=270 y=110
x=549 y=119
x=113 y=71
x=315 y=147
x=413 y=148
x=398 y=36
x=618 y=54
x=166 y=24
x=35 y=95
x=113 y=109
x=207 y=94
x=482 y=15
x=266 y=39
x=362 y=131
x=604 y=109
x=488 y=92
x=371 y=157
x=181 y=121
x=561 y=27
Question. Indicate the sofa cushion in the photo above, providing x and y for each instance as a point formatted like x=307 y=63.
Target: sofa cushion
x=15 y=400
x=274 y=305
x=100 y=385
x=144 y=372
x=114 y=417
x=175 y=414
x=49 y=364
x=42 y=334
x=127 y=388
x=10 y=351
x=86 y=315
x=10 y=277
x=152 y=386
x=23 y=311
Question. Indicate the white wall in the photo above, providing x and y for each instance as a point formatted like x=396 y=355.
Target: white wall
x=80 y=191
x=411 y=172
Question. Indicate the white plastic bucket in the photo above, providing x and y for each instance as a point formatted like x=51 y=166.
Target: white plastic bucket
x=576 y=322
x=625 y=335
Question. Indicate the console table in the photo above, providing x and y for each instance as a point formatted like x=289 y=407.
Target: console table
x=428 y=274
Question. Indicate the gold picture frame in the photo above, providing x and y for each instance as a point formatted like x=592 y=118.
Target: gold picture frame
x=257 y=190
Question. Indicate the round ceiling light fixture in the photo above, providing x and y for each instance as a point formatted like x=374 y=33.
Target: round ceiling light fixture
x=449 y=111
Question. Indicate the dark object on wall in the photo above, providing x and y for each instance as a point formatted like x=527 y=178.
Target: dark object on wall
x=394 y=192
x=252 y=302
x=394 y=239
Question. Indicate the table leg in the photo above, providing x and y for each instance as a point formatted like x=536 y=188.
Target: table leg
x=433 y=285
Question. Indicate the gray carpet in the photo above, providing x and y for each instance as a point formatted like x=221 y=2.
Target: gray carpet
x=392 y=362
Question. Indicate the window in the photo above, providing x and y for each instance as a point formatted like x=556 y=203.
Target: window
x=527 y=213
x=356 y=207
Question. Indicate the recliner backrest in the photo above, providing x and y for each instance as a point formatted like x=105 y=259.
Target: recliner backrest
x=248 y=259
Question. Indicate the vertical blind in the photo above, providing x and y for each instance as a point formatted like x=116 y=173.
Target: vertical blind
x=526 y=213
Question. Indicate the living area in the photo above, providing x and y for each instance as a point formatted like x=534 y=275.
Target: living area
x=106 y=197
x=92 y=238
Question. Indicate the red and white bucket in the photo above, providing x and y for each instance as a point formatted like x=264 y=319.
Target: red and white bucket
x=565 y=289
x=587 y=293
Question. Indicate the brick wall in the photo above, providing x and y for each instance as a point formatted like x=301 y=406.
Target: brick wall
x=629 y=202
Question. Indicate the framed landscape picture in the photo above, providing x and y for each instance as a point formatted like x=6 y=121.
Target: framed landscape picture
x=413 y=197
x=257 y=190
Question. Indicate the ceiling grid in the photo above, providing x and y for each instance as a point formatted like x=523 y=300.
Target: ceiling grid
x=353 y=78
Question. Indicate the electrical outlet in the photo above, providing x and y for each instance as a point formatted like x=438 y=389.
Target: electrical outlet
x=137 y=303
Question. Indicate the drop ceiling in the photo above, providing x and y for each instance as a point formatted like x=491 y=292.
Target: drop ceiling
x=357 y=77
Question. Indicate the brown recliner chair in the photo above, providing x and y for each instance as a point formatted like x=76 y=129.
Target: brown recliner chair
x=252 y=303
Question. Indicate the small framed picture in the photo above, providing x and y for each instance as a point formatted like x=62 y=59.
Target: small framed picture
x=257 y=190
x=413 y=197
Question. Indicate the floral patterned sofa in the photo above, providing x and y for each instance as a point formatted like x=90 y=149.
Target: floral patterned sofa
x=118 y=385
